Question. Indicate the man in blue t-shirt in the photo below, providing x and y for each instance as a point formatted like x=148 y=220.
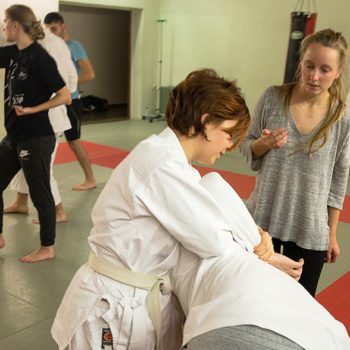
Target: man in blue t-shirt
x=55 y=22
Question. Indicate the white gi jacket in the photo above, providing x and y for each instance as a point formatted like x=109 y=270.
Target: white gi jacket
x=152 y=204
x=60 y=52
x=239 y=289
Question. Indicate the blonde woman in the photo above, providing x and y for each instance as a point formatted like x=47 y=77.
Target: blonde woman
x=298 y=142
x=31 y=77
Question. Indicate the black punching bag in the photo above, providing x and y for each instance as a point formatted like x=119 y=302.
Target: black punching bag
x=302 y=24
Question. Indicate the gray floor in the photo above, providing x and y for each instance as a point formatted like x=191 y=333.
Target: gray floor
x=31 y=293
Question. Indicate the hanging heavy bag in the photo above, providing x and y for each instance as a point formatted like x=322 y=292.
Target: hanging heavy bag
x=303 y=23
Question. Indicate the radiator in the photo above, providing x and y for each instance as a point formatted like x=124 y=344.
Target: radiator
x=164 y=92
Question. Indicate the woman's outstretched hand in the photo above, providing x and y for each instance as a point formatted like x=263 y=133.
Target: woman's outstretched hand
x=268 y=140
x=274 y=139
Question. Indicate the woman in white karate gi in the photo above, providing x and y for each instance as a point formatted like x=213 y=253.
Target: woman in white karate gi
x=153 y=205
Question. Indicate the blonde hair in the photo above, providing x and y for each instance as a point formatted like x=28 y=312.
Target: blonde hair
x=334 y=40
x=26 y=18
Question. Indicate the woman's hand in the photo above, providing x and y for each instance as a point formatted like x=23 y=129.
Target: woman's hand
x=287 y=265
x=269 y=140
x=24 y=110
x=265 y=249
x=333 y=250
x=333 y=247
x=274 y=139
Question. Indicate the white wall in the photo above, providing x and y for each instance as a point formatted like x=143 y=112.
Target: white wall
x=243 y=40
x=40 y=7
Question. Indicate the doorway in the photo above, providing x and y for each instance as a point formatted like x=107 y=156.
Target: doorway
x=105 y=35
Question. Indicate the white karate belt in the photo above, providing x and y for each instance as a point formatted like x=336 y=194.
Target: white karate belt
x=152 y=283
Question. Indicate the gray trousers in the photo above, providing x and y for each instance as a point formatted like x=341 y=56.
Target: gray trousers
x=245 y=337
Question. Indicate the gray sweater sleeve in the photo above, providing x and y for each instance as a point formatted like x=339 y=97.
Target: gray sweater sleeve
x=341 y=168
x=259 y=119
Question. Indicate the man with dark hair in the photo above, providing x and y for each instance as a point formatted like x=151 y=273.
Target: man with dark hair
x=55 y=22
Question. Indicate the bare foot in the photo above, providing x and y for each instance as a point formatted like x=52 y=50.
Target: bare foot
x=43 y=253
x=86 y=185
x=2 y=241
x=16 y=209
x=59 y=218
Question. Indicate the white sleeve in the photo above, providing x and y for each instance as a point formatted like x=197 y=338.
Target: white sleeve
x=65 y=65
x=244 y=229
x=186 y=210
x=59 y=50
x=72 y=81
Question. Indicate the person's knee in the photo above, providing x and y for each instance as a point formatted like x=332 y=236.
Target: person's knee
x=74 y=145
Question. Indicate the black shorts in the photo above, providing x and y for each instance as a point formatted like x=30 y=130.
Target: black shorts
x=74 y=112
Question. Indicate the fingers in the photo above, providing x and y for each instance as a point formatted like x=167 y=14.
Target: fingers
x=265 y=249
x=263 y=256
x=279 y=137
x=334 y=256
x=292 y=264
x=278 y=132
x=274 y=139
x=295 y=273
x=297 y=269
x=19 y=110
x=297 y=265
x=261 y=231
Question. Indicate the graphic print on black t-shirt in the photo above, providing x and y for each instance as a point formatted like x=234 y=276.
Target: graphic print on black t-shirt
x=10 y=98
x=22 y=74
x=31 y=78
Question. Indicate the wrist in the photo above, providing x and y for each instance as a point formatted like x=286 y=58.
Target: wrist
x=332 y=235
x=259 y=148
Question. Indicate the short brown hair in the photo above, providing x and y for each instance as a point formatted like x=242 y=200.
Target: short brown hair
x=204 y=92
x=53 y=17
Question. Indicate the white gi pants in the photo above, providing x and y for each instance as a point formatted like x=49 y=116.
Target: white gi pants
x=116 y=327
x=95 y=332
